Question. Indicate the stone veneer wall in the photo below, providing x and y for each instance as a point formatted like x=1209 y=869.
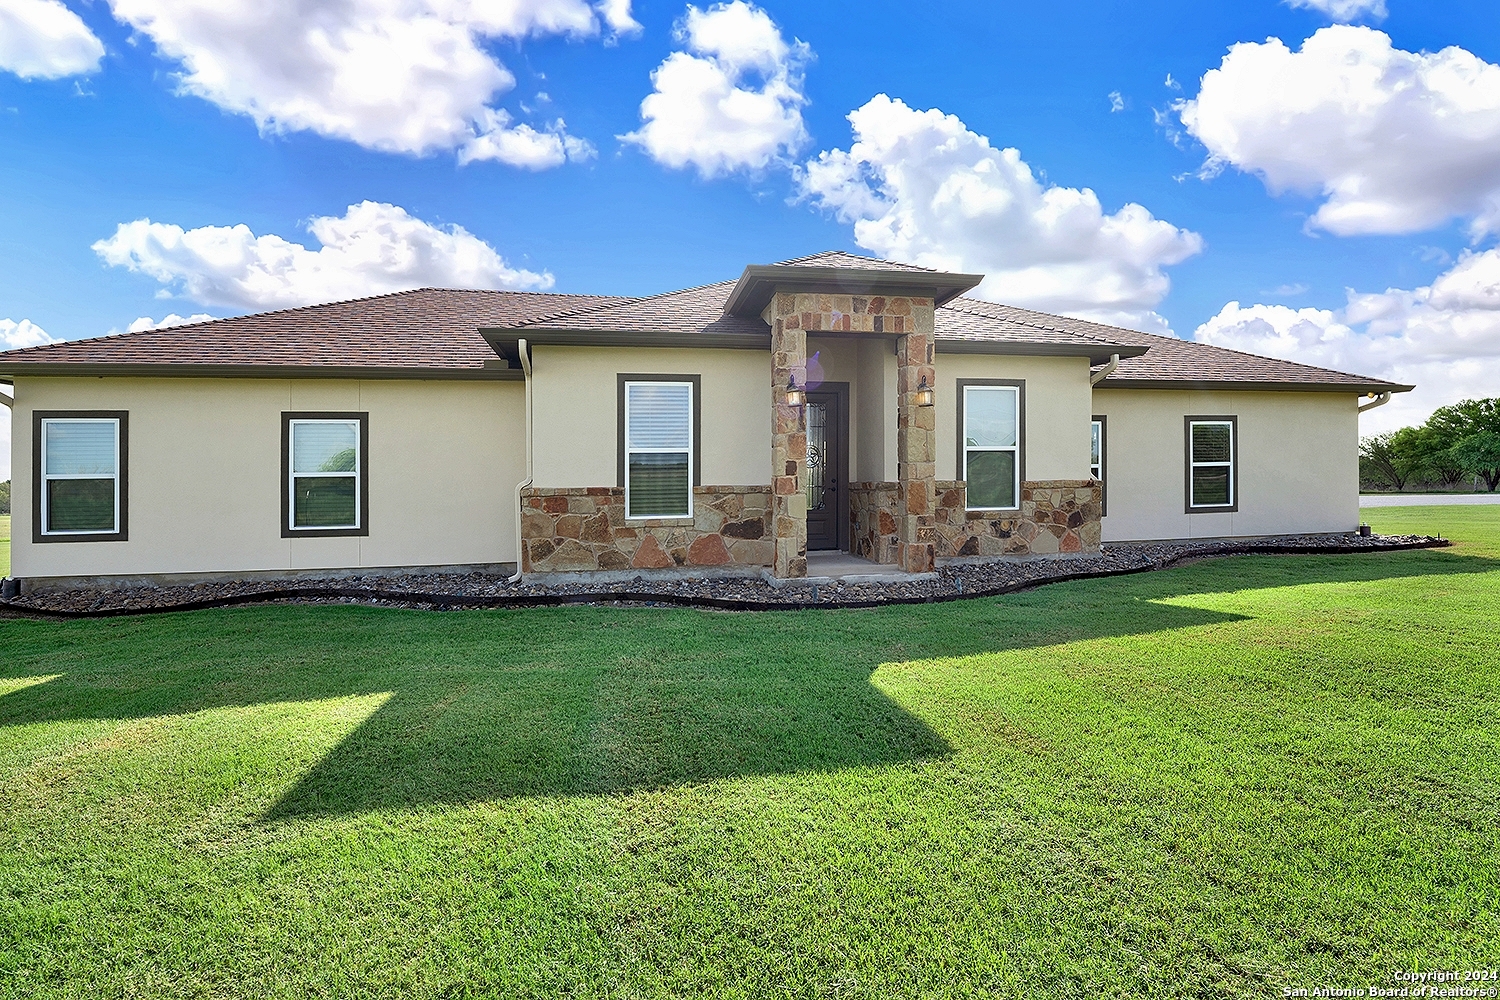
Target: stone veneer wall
x=567 y=530
x=1056 y=516
x=874 y=528
x=916 y=448
x=792 y=315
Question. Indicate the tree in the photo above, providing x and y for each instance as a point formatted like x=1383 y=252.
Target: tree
x=1381 y=461
x=1472 y=416
x=1479 y=455
x=5 y=497
x=1431 y=451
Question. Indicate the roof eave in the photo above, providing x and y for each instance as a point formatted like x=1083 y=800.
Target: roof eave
x=87 y=369
x=504 y=340
x=1252 y=385
x=759 y=282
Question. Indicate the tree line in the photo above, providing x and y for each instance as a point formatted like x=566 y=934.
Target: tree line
x=5 y=497
x=1458 y=444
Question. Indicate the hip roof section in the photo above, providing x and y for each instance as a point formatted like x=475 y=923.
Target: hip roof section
x=453 y=333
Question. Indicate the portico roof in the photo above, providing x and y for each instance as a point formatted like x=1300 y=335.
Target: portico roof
x=843 y=273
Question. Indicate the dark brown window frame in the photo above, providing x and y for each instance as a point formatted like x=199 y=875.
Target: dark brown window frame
x=1234 y=463
x=1103 y=422
x=287 y=531
x=958 y=432
x=122 y=475
x=620 y=380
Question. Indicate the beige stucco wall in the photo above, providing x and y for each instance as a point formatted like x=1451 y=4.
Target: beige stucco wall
x=1298 y=463
x=205 y=475
x=1058 y=397
x=838 y=360
x=875 y=412
x=576 y=400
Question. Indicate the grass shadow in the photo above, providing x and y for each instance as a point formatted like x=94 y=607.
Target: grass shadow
x=583 y=701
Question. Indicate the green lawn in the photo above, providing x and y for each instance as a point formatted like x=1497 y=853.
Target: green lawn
x=4 y=545
x=1226 y=779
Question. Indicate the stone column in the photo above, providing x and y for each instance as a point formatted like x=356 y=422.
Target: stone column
x=916 y=443
x=788 y=439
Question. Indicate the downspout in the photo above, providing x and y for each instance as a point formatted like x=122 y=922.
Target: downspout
x=1384 y=398
x=1106 y=371
x=523 y=484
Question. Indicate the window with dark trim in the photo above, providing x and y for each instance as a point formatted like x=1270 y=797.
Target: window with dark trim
x=1212 y=460
x=79 y=461
x=658 y=460
x=325 y=482
x=991 y=442
x=1099 y=458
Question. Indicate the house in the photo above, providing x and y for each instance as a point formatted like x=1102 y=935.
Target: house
x=832 y=402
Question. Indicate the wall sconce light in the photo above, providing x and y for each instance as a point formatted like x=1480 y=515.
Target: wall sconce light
x=923 y=395
x=795 y=396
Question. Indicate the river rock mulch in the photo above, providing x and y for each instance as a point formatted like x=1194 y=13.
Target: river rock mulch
x=456 y=591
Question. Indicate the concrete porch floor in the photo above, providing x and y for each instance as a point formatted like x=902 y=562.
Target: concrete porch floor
x=831 y=564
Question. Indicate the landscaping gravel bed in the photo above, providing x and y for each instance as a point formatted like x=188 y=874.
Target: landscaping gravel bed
x=456 y=591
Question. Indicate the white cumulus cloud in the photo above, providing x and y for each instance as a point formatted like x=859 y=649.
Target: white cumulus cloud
x=23 y=333
x=14 y=334
x=1392 y=141
x=171 y=319
x=405 y=76
x=42 y=39
x=732 y=101
x=1444 y=338
x=523 y=146
x=1344 y=11
x=920 y=187
x=372 y=249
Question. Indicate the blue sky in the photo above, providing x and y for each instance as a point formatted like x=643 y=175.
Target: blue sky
x=156 y=119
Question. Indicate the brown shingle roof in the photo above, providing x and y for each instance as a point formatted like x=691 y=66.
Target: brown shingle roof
x=423 y=330
x=690 y=311
x=1170 y=362
x=974 y=320
x=701 y=311
x=838 y=258
x=436 y=332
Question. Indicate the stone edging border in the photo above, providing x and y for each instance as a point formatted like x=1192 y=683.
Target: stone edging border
x=439 y=602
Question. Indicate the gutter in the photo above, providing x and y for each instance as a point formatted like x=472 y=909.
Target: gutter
x=1380 y=400
x=523 y=484
x=1105 y=372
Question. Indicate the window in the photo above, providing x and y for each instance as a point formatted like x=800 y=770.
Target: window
x=991 y=423
x=1211 y=458
x=658 y=447
x=325 y=486
x=1098 y=444
x=79 y=476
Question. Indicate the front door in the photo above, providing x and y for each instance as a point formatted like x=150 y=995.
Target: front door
x=827 y=466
